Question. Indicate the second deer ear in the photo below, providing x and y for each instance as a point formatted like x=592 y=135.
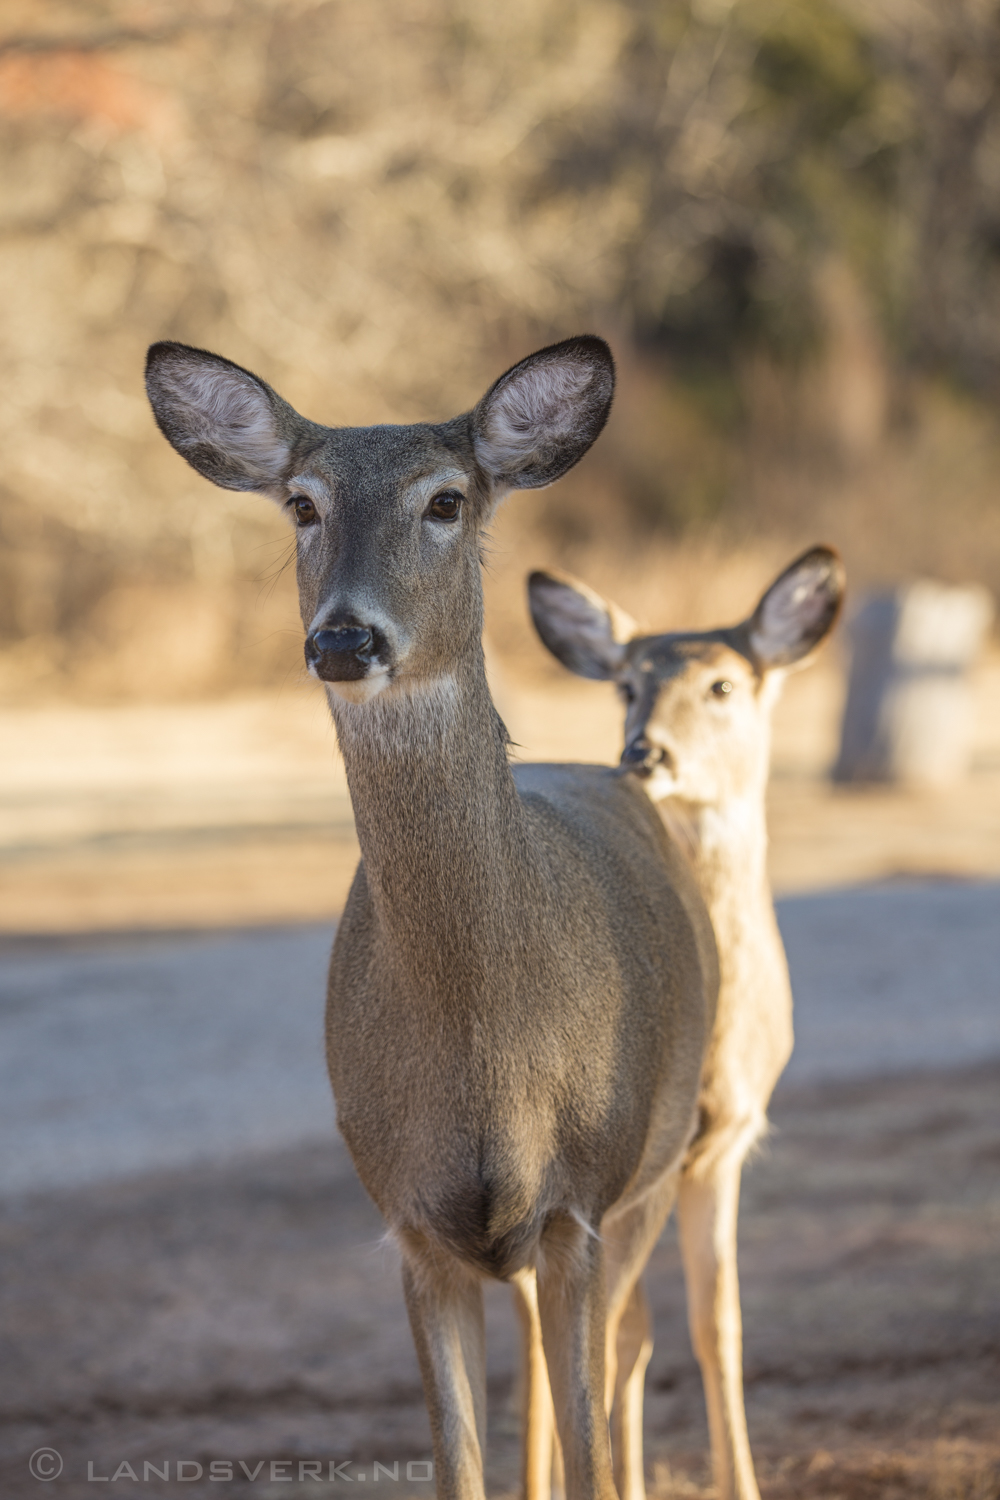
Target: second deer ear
x=227 y=423
x=540 y=418
x=798 y=610
x=584 y=631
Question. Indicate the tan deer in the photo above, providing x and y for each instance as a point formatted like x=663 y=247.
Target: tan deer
x=524 y=978
x=697 y=734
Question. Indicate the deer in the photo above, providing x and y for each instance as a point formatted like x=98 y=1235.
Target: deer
x=524 y=978
x=698 y=707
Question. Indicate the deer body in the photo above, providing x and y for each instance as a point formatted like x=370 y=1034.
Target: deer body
x=750 y=1044
x=697 y=733
x=476 y=977
x=751 y=1040
x=525 y=976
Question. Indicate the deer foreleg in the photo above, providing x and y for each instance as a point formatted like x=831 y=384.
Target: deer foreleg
x=571 y=1307
x=707 y=1211
x=445 y=1304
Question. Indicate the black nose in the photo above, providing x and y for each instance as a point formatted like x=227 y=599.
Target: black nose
x=642 y=757
x=341 y=653
x=349 y=638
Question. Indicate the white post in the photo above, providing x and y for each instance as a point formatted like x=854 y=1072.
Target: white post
x=908 y=716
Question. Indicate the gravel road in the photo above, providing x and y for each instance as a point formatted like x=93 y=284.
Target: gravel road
x=121 y=1057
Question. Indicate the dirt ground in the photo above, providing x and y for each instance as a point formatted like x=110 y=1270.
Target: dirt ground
x=252 y=1314
x=249 y=1315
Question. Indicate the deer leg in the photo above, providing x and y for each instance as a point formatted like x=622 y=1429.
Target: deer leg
x=445 y=1304
x=629 y=1240
x=635 y=1345
x=571 y=1308
x=538 y=1452
x=558 y=1468
x=707 y=1212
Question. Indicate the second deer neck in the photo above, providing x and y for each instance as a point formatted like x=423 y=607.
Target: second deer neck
x=726 y=843
x=439 y=821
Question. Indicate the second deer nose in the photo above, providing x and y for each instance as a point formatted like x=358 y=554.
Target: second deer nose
x=642 y=757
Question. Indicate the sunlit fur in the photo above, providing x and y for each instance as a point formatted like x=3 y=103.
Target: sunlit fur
x=706 y=766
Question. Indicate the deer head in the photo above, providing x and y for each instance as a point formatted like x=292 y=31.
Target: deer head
x=388 y=519
x=698 y=703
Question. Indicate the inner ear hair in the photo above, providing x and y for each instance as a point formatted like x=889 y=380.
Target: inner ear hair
x=225 y=421
x=799 y=609
x=541 y=416
x=586 y=633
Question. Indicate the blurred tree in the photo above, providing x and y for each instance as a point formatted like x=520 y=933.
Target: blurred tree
x=784 y=212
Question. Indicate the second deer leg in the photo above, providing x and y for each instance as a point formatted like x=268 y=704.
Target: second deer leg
x=445 y=1304
x=708 y=1210
x=635 y=1345
x=629 y=1238
x=571 y=1307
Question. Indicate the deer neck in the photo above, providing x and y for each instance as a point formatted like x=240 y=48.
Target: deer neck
x=441 y=828
x=726 y=843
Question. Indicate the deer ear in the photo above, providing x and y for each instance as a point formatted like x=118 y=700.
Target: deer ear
x=227 y=423
x=798 y=610
x=540 y=418
x=584 y=631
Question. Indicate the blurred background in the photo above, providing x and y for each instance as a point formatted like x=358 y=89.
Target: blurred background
x=782 y=213
x=785 y=216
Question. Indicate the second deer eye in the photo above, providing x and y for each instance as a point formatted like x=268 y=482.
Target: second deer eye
x=446 y=506
x=627 y=692
x=723 y=688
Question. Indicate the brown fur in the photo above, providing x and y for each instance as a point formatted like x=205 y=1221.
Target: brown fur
x=524 y=977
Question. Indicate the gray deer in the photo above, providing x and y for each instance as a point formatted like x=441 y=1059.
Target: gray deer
x=698 y=708
x=524 y=979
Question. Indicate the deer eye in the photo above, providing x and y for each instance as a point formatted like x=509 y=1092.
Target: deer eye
x=722 y=689
x=446 y=506
x=304 y=511
x=627 y=691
